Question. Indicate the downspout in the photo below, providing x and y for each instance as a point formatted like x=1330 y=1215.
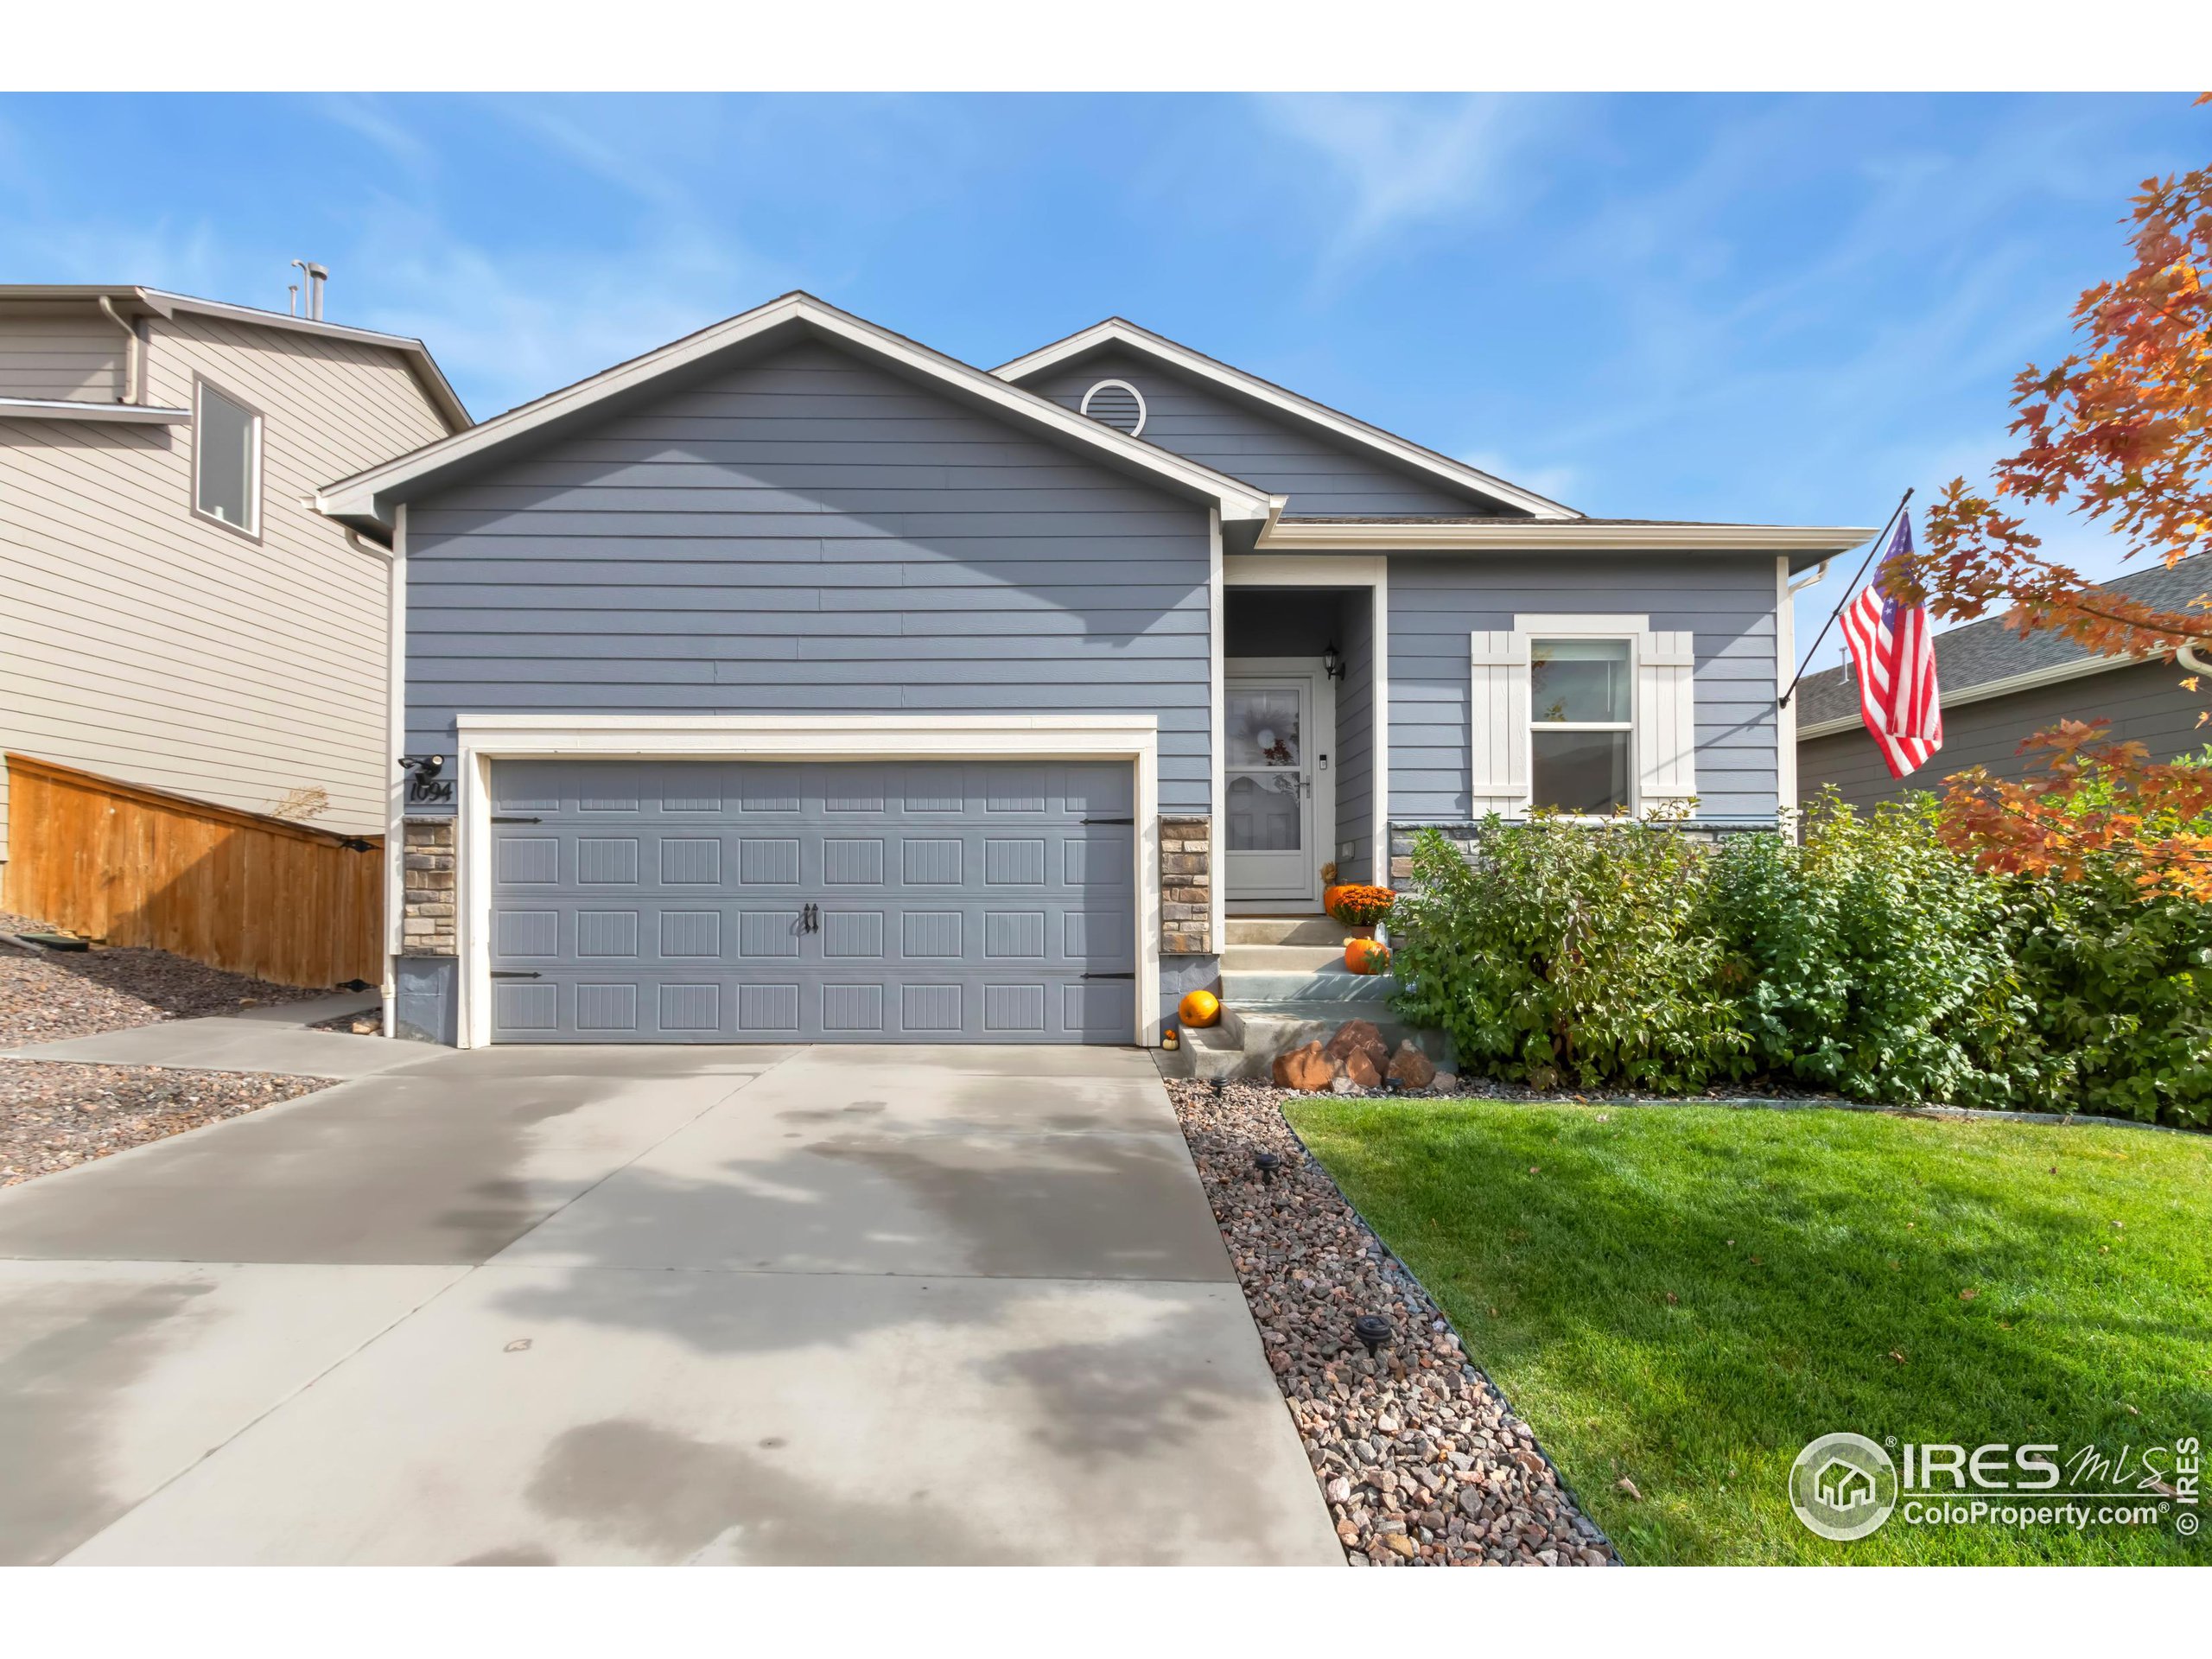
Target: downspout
x=134 y=388
x=360 y=544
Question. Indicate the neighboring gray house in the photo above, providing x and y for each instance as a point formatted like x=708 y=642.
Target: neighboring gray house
x=1998 y=687
x=794 y=680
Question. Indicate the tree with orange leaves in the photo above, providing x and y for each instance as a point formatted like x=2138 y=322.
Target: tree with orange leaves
x=2121 y=431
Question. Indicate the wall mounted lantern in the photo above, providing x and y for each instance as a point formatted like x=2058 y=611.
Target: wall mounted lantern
x=424 y=786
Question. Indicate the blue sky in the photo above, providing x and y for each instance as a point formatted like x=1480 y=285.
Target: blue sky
x=1769 y=308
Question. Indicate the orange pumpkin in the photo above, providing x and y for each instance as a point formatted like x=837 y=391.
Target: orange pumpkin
x=1199 y=1009
x=1328 y=896
x=1366 y=956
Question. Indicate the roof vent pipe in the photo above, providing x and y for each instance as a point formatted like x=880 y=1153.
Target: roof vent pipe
x=316 y=275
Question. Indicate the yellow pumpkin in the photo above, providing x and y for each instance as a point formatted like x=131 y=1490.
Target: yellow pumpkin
x=1366 y=956
x=1199 y=1009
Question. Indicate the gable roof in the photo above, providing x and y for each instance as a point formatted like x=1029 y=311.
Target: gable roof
x=366 y=498
x=1119 y=331
x=1991 y=658
x=140 y=301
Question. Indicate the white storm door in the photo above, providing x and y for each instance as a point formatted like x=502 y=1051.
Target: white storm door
x=1267 y=724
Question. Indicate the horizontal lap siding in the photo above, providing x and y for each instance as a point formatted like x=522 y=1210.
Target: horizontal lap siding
x=810 y=535
x=71 y=352
x=1320 y=475
x=1437 y=602
x=2146 y=704
x=147 y=645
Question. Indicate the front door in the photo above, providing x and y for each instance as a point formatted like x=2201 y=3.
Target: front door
x=1267 y=747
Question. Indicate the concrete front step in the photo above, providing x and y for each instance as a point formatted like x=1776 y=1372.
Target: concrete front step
x=1286 y=929
x=1266 y=987
x=1306 y=958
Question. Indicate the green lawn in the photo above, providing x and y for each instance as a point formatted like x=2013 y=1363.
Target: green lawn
x=1686 y=1295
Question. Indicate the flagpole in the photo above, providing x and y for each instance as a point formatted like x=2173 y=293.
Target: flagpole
x=1881 y=540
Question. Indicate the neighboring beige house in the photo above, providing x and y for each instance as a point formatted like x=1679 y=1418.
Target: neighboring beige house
x=173 y=612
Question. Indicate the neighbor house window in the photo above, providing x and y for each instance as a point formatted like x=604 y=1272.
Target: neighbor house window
x=1582 y=734
x=226 y=461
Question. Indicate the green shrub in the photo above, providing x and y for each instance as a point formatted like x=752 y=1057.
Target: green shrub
x=1567 y=952
x=1866 y=958
x=2120 y=984
x=1870 y=959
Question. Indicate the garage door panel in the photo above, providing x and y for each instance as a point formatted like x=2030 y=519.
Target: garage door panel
x=952 y=900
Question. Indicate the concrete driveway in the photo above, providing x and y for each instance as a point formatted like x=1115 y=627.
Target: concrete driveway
x=599 y=1304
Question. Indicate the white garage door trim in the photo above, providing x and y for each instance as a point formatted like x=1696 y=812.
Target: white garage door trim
x=486 y=738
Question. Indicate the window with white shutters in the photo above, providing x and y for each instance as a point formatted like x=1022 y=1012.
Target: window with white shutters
x=1581 y=714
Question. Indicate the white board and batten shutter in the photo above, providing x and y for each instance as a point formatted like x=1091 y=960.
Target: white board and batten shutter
x=1498 y=719
x=1665 y=716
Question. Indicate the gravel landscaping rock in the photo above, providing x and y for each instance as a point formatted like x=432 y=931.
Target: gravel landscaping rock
x=1420 y=1459
x=47 y=996
x=57 y=1114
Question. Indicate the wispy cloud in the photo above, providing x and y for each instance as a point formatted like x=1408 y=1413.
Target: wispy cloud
x=1556 y=482
x=512 y=325
x=1399 y=162
x=370 y=118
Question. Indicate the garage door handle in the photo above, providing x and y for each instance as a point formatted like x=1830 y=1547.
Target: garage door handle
x=496 y=818
x=1109 y=820
x=1109 y=975
x=514 y=973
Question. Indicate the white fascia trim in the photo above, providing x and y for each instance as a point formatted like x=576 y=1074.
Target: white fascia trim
x=59 y=409
x=2057 y=674
x=1535 y=535
x=356 y=496
x=1369 y=571
x=1114 y=331
x=486 y=738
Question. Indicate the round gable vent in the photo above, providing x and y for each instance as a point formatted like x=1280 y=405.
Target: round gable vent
x=1116 y=403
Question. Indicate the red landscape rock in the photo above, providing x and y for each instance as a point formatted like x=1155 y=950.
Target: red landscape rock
x=1358 y=1036
x=1307 y=1069
x=1411 y=1068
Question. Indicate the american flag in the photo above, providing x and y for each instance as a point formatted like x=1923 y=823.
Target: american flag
x=1895 y=651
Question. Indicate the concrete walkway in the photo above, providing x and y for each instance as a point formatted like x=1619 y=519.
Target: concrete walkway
x=268 y=1039
x=574 y=1305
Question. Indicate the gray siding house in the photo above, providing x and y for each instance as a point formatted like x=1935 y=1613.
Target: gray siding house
x=2000 y=687
x=796 y=681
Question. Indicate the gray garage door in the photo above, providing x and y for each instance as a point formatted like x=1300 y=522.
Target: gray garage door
x=720 y=902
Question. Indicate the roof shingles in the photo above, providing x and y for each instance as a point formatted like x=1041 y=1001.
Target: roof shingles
x=1994 y=649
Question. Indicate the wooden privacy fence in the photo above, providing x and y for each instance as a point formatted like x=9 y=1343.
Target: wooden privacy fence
x=236 y=890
